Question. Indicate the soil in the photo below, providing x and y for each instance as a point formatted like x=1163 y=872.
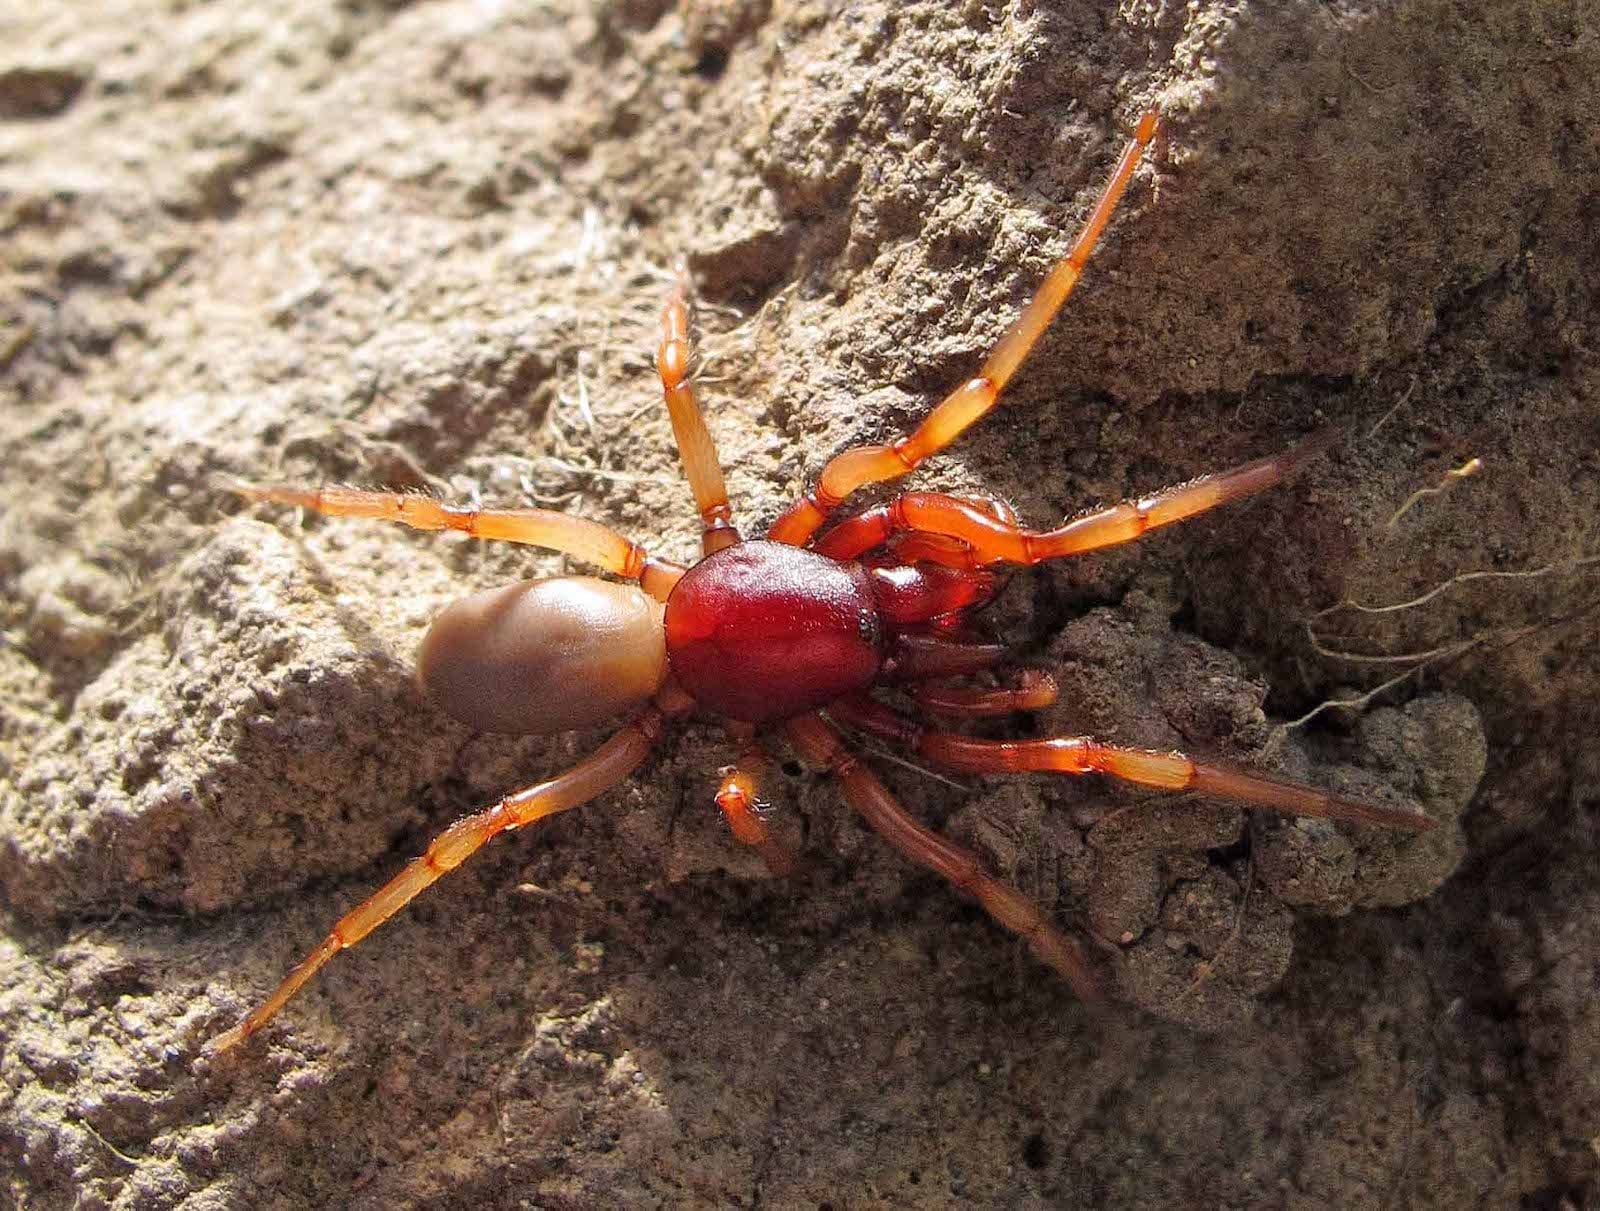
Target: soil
x=424 y=246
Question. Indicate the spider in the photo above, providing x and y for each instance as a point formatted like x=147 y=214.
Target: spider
x=791 y=631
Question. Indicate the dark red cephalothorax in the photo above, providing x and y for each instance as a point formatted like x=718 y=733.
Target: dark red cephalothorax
x=762 y=630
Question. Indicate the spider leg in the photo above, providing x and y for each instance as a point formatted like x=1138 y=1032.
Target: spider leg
x=674 y=362
x=741 y=805
x=862 y=465
x=607 y=766
x=820 y=744
x=993 y=541
x=1085 y=755
x=576 y=536
x=1034 y=691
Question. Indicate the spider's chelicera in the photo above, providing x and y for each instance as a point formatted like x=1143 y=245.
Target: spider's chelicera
x=792 y=631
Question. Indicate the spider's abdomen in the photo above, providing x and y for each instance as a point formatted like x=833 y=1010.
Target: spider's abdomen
x=543 y=656
x=762 y=630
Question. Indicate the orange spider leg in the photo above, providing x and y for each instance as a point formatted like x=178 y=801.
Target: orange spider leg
x=862 y=465
x=742 y=806
x=674 y=359
x=993 y=541
x=1085 y=755
x=1034 y=691
x=576 y=536
x=820 y=744
x=607 y=766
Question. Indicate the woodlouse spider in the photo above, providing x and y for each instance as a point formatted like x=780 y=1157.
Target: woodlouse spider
x=791 y=631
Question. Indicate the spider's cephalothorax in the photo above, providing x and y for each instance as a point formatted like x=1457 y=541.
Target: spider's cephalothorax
x=761 y=630
x=795 y=631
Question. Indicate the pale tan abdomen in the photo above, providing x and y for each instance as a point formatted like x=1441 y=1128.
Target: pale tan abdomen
x=545 y=656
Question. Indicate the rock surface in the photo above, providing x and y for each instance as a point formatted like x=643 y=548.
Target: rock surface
x=424 y=247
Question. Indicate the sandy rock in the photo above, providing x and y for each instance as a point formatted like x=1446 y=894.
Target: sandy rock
x=424 y=247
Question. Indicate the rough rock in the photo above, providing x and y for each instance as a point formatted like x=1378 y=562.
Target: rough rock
x=424 y=246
